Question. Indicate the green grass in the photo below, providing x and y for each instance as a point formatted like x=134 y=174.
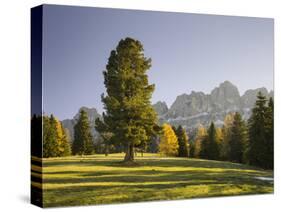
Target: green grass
x=101 y=180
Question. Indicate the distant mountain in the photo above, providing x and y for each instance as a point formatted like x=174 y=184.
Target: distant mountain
x=191 y=109
x=92 y=114
x=161 y=108
x=249 y=97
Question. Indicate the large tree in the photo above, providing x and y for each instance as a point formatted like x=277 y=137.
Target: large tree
x=258 y=142
x=237 y=140
x=168 y=141
x=183 y=150
x=83 y=138
x=129 y=113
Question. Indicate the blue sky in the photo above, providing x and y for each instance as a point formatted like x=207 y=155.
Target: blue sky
x=188 y=51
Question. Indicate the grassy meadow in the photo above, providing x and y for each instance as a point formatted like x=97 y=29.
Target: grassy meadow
x=97 y=179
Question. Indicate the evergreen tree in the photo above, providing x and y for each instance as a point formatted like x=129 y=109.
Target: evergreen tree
x=105 y=134
x=182 y=141
x=237 y=139
x=212 y=151
x=191 y=149
x=129 y=114
x=153 y=144
x=65 y=142
x=204 y=152
x=269 y=127
x=55 y=143
x=83 y=139
x=258 y=143
x=50 y=144
x=198 y=143
x=168 y=141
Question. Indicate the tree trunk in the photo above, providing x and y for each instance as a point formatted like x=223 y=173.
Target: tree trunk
x=129 y=153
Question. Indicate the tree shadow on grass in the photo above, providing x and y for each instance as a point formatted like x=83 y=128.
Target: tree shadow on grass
x=155 y=191
x=147 y=176
x=143 y=185
x=180 y=163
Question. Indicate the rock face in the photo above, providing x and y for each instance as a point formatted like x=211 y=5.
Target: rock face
x=70 y=123
x=249 y=97
x=189 y=105
x=195 y=108
x=225 y=97
x=161 y=108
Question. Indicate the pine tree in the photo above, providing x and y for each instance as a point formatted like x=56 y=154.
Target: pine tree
x=257 y=133
x=212 y=151
x=182 y=141
x=168 y=141
x=105 y=134
x=65 y=142
x=269 y=127
x=200 y=136
x=153 y=144
x=191 y=149
x=83 y=139
x=50 y=145
x=129 y=113
x=237 y=139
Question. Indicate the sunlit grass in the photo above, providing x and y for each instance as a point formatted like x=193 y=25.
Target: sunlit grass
x=100 y=180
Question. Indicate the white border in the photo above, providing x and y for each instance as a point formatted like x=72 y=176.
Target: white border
x=15 y=102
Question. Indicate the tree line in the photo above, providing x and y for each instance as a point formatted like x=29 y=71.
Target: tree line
x=56 y=140
x=239 y=141
x=249 y=142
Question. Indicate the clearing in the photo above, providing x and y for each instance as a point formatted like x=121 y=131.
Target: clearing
x=97 y=179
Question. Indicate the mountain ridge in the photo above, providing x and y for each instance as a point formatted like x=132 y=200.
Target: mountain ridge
x=197 y=107
x=192 y=109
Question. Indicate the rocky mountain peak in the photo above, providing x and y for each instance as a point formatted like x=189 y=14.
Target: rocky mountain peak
x=249 y=97
x=161 y=108
x=195 y=108
x=225 y=97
